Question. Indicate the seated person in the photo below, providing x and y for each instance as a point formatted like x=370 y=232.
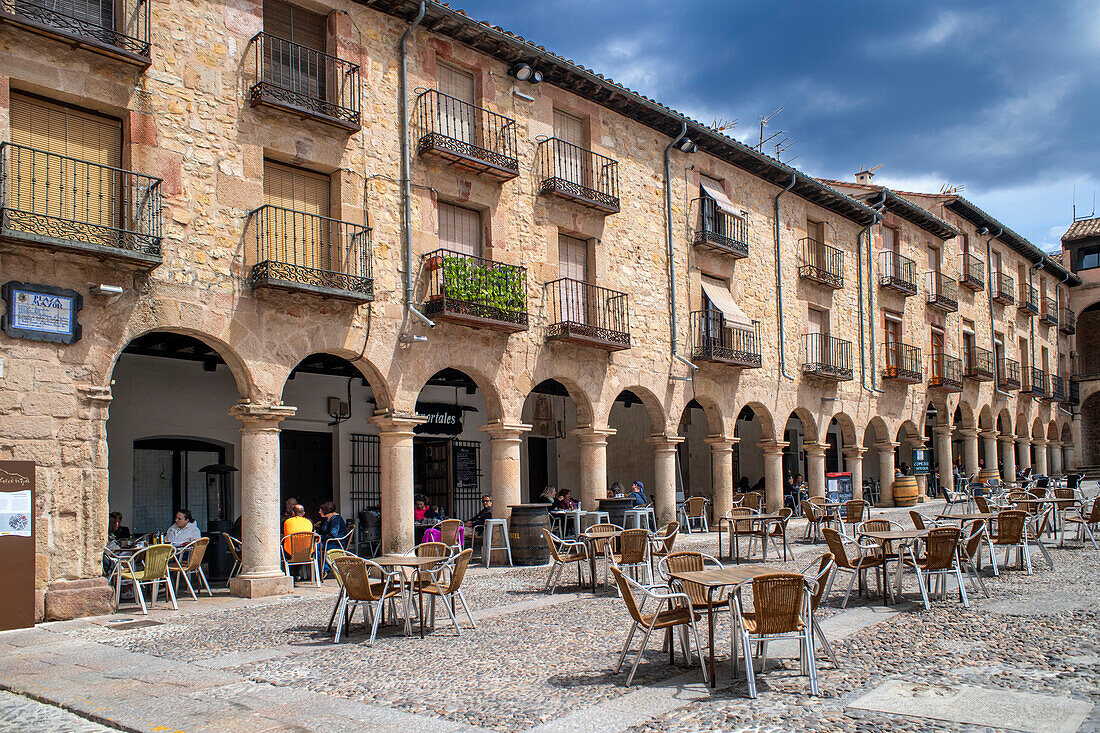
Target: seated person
x=637 y=493
x=420 y=509
x=743 y=486
x=332 y=526
x=183 y=530
x=115 y=529
x=796 y=492
x=564 y=502
x=478 y=520
x=295 y=524
x=547 y=496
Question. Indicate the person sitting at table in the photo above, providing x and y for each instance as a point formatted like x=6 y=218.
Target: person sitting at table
x=637 y=493
x=478 y=520
x=564 y=502
x=183 y=530
x=288 y=507
x=332 y=525
x=115 y=529
x=547 y=496
x=611 y=490
x=798 y=492
x=294 y=524
x=743 y=485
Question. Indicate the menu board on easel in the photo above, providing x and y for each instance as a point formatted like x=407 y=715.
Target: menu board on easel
x=16 y=544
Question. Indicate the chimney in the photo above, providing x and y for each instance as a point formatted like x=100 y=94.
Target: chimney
x=865 y=176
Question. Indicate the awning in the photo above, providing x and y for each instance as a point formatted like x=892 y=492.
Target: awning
x=719 y=197
x=722 y=299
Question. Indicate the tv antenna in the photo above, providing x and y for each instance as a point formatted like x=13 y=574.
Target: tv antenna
x=764 y=123
x=1089 y=215
x=948 y=190
x=782 y=146
x=720 y=124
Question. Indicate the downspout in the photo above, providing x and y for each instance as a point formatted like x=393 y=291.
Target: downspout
x=671 y=251
x=406 y=177
x=1064 y=281
x=859 y=290
x=779 y=280
x=1031 y=284
x=997 y=392
x=871 y=291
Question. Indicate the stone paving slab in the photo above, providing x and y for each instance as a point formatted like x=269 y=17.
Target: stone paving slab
x=18 y=713
x=840 y=626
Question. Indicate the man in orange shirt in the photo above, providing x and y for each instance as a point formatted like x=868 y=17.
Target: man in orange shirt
x=295 y=523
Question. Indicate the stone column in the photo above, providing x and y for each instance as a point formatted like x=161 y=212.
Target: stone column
x=853 y=459
x=1024 y=459
x=504 y=443
x=1008 y=458
x=886 y=472
x=970 y=450
x=1055 y=465
x=1040 y=456
x=773 y=472
x=261 y=572
x=815 y=467
x=1073 y=455
x=395 y=442
x=941 y=435
x=664 y=476
x=721 y=466
x=989 y=450
x=1069 y=462
x=593 y=450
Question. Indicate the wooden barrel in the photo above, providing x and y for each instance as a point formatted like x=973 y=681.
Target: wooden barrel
x=987 y=473
x=525 y=534
x=616 y=509
x=905 y=491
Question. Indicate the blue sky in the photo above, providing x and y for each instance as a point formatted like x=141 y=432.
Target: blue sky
x=1001 y=97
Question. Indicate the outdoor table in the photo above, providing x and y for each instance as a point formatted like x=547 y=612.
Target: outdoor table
x=418 y=564
x=591 y=542
x=713 y=580
x=962 y=518
x=907 y=538
x=1038 y=503
x=764 y=520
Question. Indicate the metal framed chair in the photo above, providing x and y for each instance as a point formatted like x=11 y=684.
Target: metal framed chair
x=820 y=573
x=738 y=526
x=300 y=548
x=661 y=543
x=1084 y=520
x=445 y=583
x=695 y=511
x=359 y=587
x=777 y=531
x=633 y=553
x=331 y=555
x=816 y=518
x=563 y=553
x=940 y=559
x=193 y=552
x=970 y=553
x=146 y=567
x=1009 y=534
x=235 y=551
x=867 y=558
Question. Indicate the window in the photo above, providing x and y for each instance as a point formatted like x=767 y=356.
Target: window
x=815 y=230
x=717 y=214
x=892 y=327
x=1088 y=258
x=302 y=227
x=291 y=56
x=996 y=267
x=935 y=261
x=968 y=343
x=1025 y=362
x=457 y=116
x=460 y=230
x=964 y=244
x=571 y=163
x=1046 y=359
x=573 y=264
x=890 y=240
x=892 y=324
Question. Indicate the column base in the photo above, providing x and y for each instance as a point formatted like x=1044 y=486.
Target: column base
x=69 y=599
x=271 y=585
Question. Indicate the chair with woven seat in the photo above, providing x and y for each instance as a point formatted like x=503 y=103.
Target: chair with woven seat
x=738 y=526
x=940 y=558
x=690 y=561
x=982 y=504
x=359 y=587
x=234 y=546
x=780 y=610
x=300 y=548
x=331 y=555
x=431 y=549
x=853 y=512
x=194 y=552
x=661 y=543
x=970 y=552
x=820 y=573
x=1084 y=520
x=673 y=611
x=633 y=553
x=146 y=567
x=753 y=500
x=448 y=533
x=816 y=518
x=563 y=553
x=867 y=557
x=920 y=521
x=695 y=511
x=602 y=537
x=445 y=583
x=1009 y=533
x=777 y=531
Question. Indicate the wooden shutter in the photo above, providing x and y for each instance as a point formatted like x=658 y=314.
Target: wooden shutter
x=570 y=162
x=457 y=116
x=460 y=230
x=300 y=229
x=299 y=68
x=573 y=263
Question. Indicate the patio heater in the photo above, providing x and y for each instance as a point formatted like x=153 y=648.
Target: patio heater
x=219 y=512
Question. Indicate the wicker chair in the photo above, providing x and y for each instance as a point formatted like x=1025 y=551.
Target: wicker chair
x=940 y=559
x=677 y=612
x=300 y=548
x=603 y=546
x=1009 y=533
x=359 y=587
x=431 y=549
x=146 y=567
x=695 y=512
x=737 y=529
x=445 y=583
x=753 y=500
x=970 y=552
x=855 y=511
x=234 y=545
x=983 y=504
x=563 y=553
x=448 y=533
x=816 y=518
x=1084 y=521
x=633 y=553
x=777 y=530
x=331 y=555
x=194 y=552
x=868 y=558
x=690 y=562
x=821 y=574
x=781 y=610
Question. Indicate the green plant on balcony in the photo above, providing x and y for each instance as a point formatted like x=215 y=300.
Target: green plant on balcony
x=489 y=284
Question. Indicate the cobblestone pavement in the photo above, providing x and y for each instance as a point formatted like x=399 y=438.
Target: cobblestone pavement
x=540 y=661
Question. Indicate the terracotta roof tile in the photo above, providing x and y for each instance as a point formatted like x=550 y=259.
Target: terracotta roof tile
x=1082 y=230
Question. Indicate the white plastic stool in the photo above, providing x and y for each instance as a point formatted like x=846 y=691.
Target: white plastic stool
x=597 y=518
x=487 y=540
x=640 y=518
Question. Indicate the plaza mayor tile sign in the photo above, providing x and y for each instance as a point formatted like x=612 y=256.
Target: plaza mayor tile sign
x=41 y=312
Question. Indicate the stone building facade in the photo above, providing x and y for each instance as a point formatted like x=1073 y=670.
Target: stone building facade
x=254 y=230
x=1081 y=254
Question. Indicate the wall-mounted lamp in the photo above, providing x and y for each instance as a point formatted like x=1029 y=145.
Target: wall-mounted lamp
x=338 y=409
x=687 y=146
x=102 y=289
x=525 y=72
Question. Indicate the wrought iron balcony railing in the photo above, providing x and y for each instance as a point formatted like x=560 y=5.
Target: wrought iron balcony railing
x=1004 y=289
x=903 y=362
x=301 y=80
x=1068 y=324
x=588 y=315
x=65 y=203
x=946 y=373
x=573 y=173
x=1029 y=300
x=1050 y=312
x=979 y=364
x=821 y=263
x=898 y=273
x=1058 y=388
x=116 y=28
x=943 y=292
x=719 y=230
x=972 y=272
x=474 y=291
x=293 y=250
x=1035 y=382
x=714 y=340
x=1008 y=374
x=1073 y=394
x=465 y=135
x=827 y=357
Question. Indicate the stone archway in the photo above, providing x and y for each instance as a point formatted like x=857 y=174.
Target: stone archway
x=639 y=450
x=759 y=456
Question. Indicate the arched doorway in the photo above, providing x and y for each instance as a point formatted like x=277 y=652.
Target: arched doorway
x=635 y=417
x=550 y=458
x=878 y=463
x=758 y=460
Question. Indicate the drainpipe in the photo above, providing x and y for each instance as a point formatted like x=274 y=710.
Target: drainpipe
x=406 y=179
x=1064 y=281
x=671 y=252
x=1031 y=283
x=779 y=280
x=997 y=392
x=871 y=291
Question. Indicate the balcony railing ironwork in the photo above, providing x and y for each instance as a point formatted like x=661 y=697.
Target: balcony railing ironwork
x=1058 y=388
x=1035 y=382
x=946 y=373
x=474 y=291
x=821 y=263
x=1004 y=289
x=1068 y=322
x=720 y=230
x=589 y=315
x=903 y=362
x=979 y=364
x=467 y=136
x=116 y=28
x=58 y=201
x=1008 y=374
x=1073 y=394
x=972 y=272
x=827 y=357
x=714 y=340
x=1050 y=312
x=293 y=250
x=898 y=273
x=943 y=292
x=299 y=79
x=1029 y=300
x=576 y=174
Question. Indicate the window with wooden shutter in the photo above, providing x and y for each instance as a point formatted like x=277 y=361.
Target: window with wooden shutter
x=571 y=163
x=457 y=116
x=460 y=230
x=573 y=264
x=293 y=52
x=300 y=226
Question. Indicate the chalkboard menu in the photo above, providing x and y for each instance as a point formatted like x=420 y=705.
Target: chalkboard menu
x=922 y=459
x=838 y=487
x=466 y=470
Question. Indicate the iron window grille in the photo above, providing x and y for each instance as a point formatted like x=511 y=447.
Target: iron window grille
x=715 y=340
x=468 y=136
x=1068 y=324
x=943 y=292
x=898 y=273
x=1008 y=374
x=979 y=364
x=120 y=30
x=297 y=78
x=973 y=272
x=475 y=291
x=821 y=263
x=827 y=356
x=1004 y=288
x=946 y=373
x=588 y=314
x=719 y=230
x=903 y=362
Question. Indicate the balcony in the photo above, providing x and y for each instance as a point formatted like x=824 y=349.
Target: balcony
x=1029 y=300
x=979 y=364
x=119 y=31
x=718 y=230
x=308 y=253
x=1035 y=382
x=1073 y=394
x=826 y=357
x=821 y=263
x=465 y=136
x=1058 y=389
x=1050 y=312
x=588 y=315
x=62 y=203
x=1003 y=289
x=898 y=273
x=715 y=341
x=572 y=173
x=476 y=292
x=946 y=373
x=973 y=272
x=304 y=82
x=902 y=363
x=1068 y=323
x=1008 y=374
x=943 y=292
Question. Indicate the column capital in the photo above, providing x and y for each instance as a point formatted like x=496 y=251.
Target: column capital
x=95 y=394
x=1055 y=443
x=772 y=447
x=854 y=451
x=588 y=435
x=500 y=430
x=886 y=445
x=256 y=417
x=1023 y=441
x=1039 y=441
x=721 y=442
x=988 y=434
x=390 y=423
x=665 y=443
x=942 y=430
x=1006 y=439
x=967 y=432
x=814 y=450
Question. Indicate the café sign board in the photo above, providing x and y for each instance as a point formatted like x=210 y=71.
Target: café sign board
x=17 y=530
x=922 y=460
x=439 y=418
x=41 y=312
